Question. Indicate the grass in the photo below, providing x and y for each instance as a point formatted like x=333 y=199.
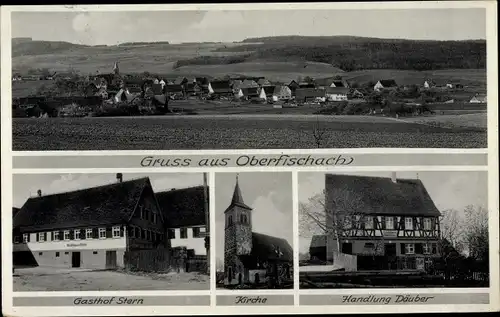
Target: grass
x=234 y=132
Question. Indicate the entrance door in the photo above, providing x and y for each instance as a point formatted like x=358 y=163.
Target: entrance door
x=75 y=259
x=111 y=259
x=390 y=255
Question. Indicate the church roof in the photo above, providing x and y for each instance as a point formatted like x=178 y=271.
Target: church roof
x=237 y=199
x=271 y=248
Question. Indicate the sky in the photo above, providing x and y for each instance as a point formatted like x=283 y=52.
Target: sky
x=270 y=196
x=27 y=185
x=448 y=190
x=97 y=28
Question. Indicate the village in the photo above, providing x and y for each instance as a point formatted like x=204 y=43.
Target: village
x=117 y=94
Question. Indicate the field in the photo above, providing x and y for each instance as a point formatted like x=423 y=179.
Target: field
x=52 y=279
x=235 y=132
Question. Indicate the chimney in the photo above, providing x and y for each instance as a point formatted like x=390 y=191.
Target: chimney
x=39 y=192
x=119 y=177
x=393 y=177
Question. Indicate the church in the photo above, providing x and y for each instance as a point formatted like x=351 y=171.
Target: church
x=252 y=258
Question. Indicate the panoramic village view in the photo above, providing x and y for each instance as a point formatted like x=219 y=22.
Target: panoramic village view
x=405 y=229
x=283 y=91
x=83 y=232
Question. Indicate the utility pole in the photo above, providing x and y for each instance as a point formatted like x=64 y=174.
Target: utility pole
x=207 y=220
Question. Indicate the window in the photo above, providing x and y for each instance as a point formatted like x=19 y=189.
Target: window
x=57 y=254
x=88 y=233
x=171 y=233
x=56 y=235
x=26 y=238
x=230 y=220
x=66 y=253
x=434 y=248
x=410 y=248
x=40 y=253
x=41 y=236
x=184 y=233
x=369 y=223
x=16 y=239
x=427 y=224
x=203 y=229
x=66 y=235
x=77 y=234
x=95 y=252
x=196 y=232
x=102 y=233
x=389 y=223
x=116 y=232
x=408 y=223
x=426 y=248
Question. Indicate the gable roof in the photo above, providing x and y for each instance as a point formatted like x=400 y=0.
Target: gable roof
x=107 y=204
x=309 y=92
x=264 y=82
x=15 y=210
x=267 y=247
x=337 y=90
x=388 y=83
x=221 y=86
x=318 y=241
x=183 y=207
x=250 y=91
x=281 y=90
x=380 y=195
x=248 y=83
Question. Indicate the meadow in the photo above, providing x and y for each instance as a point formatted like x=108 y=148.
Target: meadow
x=235 y=132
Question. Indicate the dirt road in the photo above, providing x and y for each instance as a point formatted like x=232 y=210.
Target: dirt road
x=50 y=279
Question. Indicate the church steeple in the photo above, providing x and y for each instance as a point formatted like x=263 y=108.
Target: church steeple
x=116 y=70
x=237 y=199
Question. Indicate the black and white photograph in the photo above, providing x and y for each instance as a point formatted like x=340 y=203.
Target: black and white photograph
x=393 y=229
x=99 y=232
x=254 y=230
x=218 y=79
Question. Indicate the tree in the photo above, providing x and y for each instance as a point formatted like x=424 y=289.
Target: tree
x=476 y=233
x=451 y=225
x=334 y=217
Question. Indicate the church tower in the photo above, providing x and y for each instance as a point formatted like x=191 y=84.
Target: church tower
x=237 y=234
x=116 y=70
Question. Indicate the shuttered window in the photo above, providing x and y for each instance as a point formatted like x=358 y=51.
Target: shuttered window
x=116 y=232
x=196 y=232
x=426 y=248
x=41 y=236
x=56 y=236
x=77 y=234
x=102 y=233
x=88 y=233
x=26 y=237
x=66 y=235
x=184 y=233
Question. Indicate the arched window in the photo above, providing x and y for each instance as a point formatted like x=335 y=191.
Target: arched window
x=230 y=220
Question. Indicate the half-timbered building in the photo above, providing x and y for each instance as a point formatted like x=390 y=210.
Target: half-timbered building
x=388 y=223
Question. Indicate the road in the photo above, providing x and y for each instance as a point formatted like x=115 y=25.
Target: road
x=53 y=279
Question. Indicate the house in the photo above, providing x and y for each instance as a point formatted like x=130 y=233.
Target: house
x=251 y=257
x=220 y=88
x=395 y=227
x=307 y=85
x=331 y=82
x=251 y=92
x=385 y=84
x=429 y=84
x=454 y=86
x=249 y=83
x=268 y=91
x=281 y=93
x=192 y=89
x=262 y=94
x=89 y=228
x=186 y=218
x=174 y=91
x=264 y=82
x=479 y=99
x=317 y=248
x=310 y=94
x=337 y=93
x=293 y=85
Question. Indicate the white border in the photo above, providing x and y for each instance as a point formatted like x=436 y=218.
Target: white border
x=6 y=142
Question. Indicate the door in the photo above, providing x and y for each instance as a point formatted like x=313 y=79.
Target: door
x=390 y=255
x=111 y=259
x=75 y=259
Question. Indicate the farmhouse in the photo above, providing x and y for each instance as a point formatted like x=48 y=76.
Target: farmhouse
x=281 y=93
x=174 y=91
x=264 y=82
x=250 y=257
x=89 y=228
x=186 y=218
x=331 y=82
x=250 y=92
x=385 y=84
x=310 y=94
x=336 y=93
x=293 y=85
x=393 y=227
x=220 y=88
x=478 y=99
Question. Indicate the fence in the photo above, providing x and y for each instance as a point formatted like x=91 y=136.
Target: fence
x=155 y=260
x=347 y=261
